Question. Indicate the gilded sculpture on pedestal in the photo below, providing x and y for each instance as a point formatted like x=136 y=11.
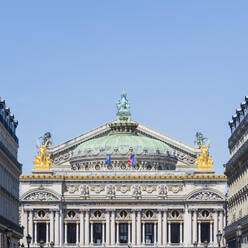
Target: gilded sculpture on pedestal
x=42 y=161
x=204 y=161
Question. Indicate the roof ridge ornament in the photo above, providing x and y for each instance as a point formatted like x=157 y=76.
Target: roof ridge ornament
x=123 y=107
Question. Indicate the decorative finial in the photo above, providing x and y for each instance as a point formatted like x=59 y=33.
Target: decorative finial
x=204 y=161
x=42 y=161
x=123 y=107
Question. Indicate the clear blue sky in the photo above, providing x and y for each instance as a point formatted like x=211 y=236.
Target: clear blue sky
x=183 y=63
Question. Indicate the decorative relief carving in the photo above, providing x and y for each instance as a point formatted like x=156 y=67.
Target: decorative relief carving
x=110 y=191
x=205 y=196
x=97 y=215
x=97 y=188
x=149 y=188
x=71 y=188
x=175 y=188
x=123 y=215
x=162 y=191
x=84 y=190
x=175 y=214
x=41 y=196
x=123 y=188
x=136 y=191
x=41 y=215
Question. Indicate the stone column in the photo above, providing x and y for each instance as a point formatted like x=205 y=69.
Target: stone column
x=143 y=232
x=30 y=225
x=35 y=232
x=169 y=232
x=215 y=227
x=221 y=224
x=129 y=232
x=195 y=226
x=139 y=228
x=133 y=227
x=107 y=227
x=47 y=233
x=91 y=232
x=56 y=228
x=113 y=228
x=155 y=232
x=199 y=232
x=117 y=233
x=77 y=230
x=165 y=228
x=25 y=224
x=159 y=227
x=51 y=226
x=181 y=232
x=61 y=235
x=103 y=232
x=87 y=233
x=187 y=224
x=224 y=225
x=81 y=228
x=211 y=232
x=65 y=232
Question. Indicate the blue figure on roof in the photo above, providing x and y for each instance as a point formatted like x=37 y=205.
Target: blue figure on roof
x=123 y=106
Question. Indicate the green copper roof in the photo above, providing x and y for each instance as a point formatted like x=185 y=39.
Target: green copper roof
x=124 y=142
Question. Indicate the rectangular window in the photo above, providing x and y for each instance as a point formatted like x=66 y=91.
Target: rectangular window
x=97 y=233
x=41 y=232
x=205 y=232
x=123 y=232
x=71 y=233
x=149 y=233
x=175 y=233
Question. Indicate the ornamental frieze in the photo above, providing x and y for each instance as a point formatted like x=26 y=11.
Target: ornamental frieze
x=123 y=188
x=71 y=188
x=149 y=188
x=175 y=188
x=98 y=188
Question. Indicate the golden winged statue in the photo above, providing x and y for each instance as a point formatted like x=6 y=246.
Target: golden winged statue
x=204 y=161
x=42 y=161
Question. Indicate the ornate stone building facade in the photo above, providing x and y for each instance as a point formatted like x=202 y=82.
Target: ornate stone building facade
x=10 y=170
x=123 y=184
x=236 y=170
